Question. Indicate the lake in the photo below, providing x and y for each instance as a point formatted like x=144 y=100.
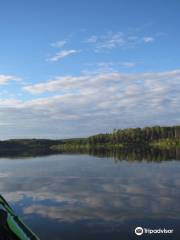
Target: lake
x=78 y=196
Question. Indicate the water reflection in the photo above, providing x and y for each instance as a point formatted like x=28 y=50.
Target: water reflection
x=139 y=154
x=128 y=154
x=80 y=196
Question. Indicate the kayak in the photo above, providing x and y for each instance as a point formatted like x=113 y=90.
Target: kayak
x=11 y=227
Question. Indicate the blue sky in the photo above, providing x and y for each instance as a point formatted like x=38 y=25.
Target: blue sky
x=76 y=68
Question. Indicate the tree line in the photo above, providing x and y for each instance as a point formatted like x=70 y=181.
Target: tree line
x=136 y=135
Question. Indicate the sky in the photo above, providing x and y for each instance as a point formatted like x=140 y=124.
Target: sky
x=77 y=68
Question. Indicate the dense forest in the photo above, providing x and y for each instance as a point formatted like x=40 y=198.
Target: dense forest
x=157 y=137
x=131 y=138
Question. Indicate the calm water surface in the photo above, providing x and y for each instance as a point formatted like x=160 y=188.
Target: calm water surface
x=84 y=197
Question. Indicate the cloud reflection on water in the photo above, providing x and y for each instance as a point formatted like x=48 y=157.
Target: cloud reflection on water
x=125 y=192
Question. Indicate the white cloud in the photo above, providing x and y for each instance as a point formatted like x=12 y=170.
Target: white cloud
x=7 y=78
x=62 y=54
x=92 y=39
x=88 y=104
x=112 y=40
x=107 y=67
x=85 y=82
x=59 y=44
x=148 y=39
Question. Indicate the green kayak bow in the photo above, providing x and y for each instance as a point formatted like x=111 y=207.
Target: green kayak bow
x=11 y=227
